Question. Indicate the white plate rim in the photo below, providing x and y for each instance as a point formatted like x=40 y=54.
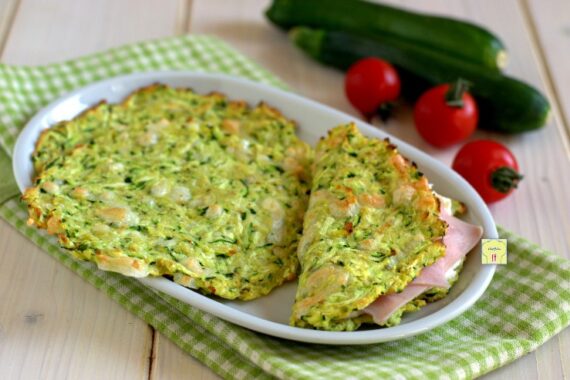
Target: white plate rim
x=459 y=305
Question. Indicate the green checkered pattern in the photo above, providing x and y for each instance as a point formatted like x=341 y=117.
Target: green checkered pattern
x=527 y=303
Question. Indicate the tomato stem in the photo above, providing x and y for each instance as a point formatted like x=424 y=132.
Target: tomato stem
x=385 y=110
x=454 y=96
x=505 y=178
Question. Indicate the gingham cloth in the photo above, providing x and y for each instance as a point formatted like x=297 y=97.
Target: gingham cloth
x=526 y=304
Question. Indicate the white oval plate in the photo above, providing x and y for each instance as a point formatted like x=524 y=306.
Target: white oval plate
x=270 y=314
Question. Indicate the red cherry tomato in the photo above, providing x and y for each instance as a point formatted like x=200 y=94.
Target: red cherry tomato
x=369 y=83
x=489 y=167
x=442 y=124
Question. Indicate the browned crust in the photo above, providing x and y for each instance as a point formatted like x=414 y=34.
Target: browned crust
x=91 y=109
x=273 y=111
x=63 y=123
x=150 y=88
x=44 y=133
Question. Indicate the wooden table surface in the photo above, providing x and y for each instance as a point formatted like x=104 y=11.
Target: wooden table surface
x=53 y=325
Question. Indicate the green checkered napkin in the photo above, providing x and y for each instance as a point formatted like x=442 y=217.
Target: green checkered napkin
x=527 y=303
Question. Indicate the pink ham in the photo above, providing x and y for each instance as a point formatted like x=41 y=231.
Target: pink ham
x=385 y=306
x=459 y=239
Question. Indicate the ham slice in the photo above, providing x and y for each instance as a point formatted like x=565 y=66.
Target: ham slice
x=385 y=306
x=459 y=239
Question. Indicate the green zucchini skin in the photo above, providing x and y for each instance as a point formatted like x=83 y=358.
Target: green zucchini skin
x=456 y=38
x=505 y=104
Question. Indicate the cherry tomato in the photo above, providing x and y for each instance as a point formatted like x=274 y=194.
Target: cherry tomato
x=446 y=115
x=371 y=82
x=489 y=167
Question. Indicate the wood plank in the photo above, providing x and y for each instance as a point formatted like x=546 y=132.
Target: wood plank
x=8 y=10
x=173 y=363
x=551 y=34
x=564 y=344
x=58 y=326
x=549 y=20
x=244 y=27
x=53 y=31
x=553 y=357
x=55 y=325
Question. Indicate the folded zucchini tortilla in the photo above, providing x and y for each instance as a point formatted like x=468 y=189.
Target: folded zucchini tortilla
x=377 y=240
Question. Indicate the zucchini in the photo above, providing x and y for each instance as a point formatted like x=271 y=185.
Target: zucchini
x=452 y=37
x=505 y=104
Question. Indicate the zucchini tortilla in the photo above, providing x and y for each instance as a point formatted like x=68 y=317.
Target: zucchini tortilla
x=372 y=226
x=207 y=190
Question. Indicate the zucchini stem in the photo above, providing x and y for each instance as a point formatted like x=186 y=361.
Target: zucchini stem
x=385 y=110
x=502 y=59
